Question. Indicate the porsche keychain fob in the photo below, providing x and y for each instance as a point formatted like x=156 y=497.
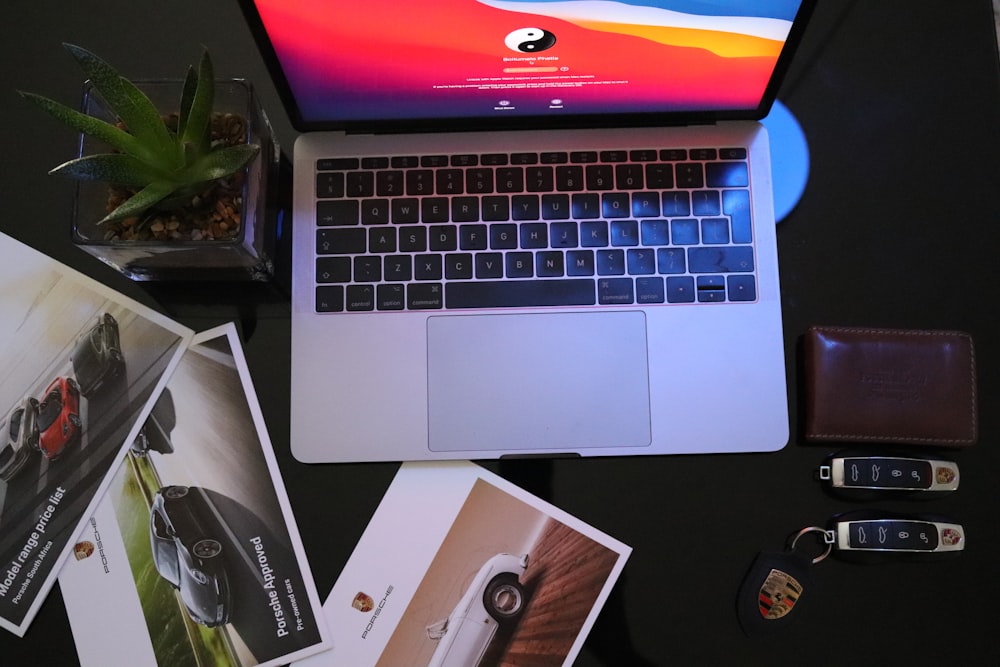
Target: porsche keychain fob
x=875 y=536
x=865 y=476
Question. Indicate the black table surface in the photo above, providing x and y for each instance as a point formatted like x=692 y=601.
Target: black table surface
x=897 y=227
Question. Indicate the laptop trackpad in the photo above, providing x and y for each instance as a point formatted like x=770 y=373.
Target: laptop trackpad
x=554 y=381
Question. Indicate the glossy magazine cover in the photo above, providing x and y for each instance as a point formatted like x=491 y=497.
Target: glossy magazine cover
x=194 y=550
x=459 y=567
x=81 y=366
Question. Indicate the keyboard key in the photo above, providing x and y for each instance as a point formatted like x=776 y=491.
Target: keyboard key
x=616 y=205
x=670 y=260
x=580 y=263
x=503 y=237
x=330 y=298
x=381 y=239
x=329 y=185
x=629 y=177
x=405 y=211
x=442 y=238
x=549 y=264
x=489 y=265
x=424 y=296
x=723 y=259
x=521 y=293
x=742 y=287
x=555 y=207
x=458 y=266
x=539 y=179
x=360 y=184
x=615 y=291
x=654 y=232
x=525 y=207
x=646 y=205
x=594 y=234
x=705 y=202
x=340 y=241
x=649 y=290
x=586 y=206
x=641 y=261
x=610 y=262
x=714 y=231
x=434 y=209
x=367 y=269
x=412 y=239
x=690 y=175
x=684 y=232
x=563 y=235
x=510 y=179
x=711 y=289
x=518 y=265
x=375 y=212
x=390 y=297
x=680 y=289
x=389 y=183
x=727 y=175
x=496 y=208
x=427 y=267
x=337 y=164
x=465 y=209
x=333 y=269
x=736 y=204
x=624 y=233
x=534 y=235
x=360 y=297
x=338 y=213
x=398 y=268
x=472 y=237
x=676 y=204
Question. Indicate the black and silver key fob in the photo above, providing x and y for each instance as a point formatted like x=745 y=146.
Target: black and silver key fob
x=864 y=476
x=875 y=536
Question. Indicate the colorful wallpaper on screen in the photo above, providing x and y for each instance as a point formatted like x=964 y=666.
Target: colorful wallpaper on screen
x=384 y=59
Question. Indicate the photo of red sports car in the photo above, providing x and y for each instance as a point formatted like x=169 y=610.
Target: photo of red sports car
x=59 y=422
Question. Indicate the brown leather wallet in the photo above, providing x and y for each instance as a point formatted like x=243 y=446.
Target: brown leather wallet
x=900 y=386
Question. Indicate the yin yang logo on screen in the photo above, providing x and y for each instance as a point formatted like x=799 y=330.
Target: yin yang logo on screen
x=530 y=40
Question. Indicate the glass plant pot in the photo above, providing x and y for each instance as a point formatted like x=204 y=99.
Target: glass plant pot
x=241 y=244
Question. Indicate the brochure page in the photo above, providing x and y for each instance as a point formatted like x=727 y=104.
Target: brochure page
x=458 y=567
x=81 y=366
x=194 y=550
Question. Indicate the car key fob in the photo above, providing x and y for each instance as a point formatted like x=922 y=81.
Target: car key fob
x=878 y=536
x=863 y=476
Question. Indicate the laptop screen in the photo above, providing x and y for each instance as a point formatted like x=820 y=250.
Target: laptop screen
x=372 y=63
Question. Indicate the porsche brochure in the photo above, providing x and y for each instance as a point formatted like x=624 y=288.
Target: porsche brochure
x=80 y=368
x=194 y=550
x=460 y=567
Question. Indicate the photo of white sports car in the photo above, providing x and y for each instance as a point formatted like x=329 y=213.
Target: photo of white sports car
x=495 y=598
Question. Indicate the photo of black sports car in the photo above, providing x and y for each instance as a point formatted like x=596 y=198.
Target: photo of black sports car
x=185 y=537
x=97 y=356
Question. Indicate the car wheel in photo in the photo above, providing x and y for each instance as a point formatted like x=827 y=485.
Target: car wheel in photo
x=207 y=548
x=175 y=492
x=504 y=597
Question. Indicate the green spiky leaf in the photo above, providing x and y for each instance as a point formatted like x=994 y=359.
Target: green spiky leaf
x=222 y=162
x=81 y=122
x=141 y=201
x=196 y=127
x=111 y=168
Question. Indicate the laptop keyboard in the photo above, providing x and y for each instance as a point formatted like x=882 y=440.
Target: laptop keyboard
x=517 y=230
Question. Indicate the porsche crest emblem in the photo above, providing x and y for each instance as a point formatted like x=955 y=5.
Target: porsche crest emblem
x=363 y=602
x=778 y=594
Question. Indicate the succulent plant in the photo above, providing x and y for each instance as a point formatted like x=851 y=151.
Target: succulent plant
x=161 y=163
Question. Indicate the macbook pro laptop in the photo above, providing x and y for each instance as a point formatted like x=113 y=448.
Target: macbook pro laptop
x=532 y=227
